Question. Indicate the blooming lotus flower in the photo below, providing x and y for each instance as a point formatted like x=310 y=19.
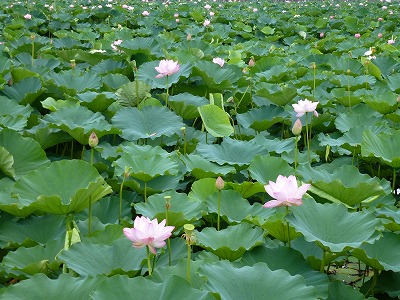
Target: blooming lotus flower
x=304 y=106
x=167 y=67
x=28 y=16
x=357 y=35
x=148 y=233
x=391 y=41
x=219 y=61
x=285 y=192
x=206 y=22
x=145 y=13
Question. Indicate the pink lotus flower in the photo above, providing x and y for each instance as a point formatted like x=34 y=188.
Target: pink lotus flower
x=145 y=13
x=357 y=35
x=166 y=68
x=321 y=35
x=391 y=41
x=176 y=15
x=219 y=61
x=207 y=6
x=28 y=16
x=380 y=35
x=148 y=233
x=206 y=22
x=285 y=192
x=212 y=13
x=304 y=106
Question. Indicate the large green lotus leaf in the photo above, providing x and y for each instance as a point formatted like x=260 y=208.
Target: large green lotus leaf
x=32 y=230
x=390 y=217
x=134 y=149
x=274 y=145
x=388 y=282
x=132 y=93
x=202 y=188
x=267 y=168
x=80 y=122
x=381 y=100
x=26 y=262
x=256 y=282
x=145 y=45
x=26 y=91
x=105 y=236
x=262 y=118
x=13 y=115
x=185 y=105
x=337 y=290
x=96 y=101
x=89 y=259
x=215 y=77
x=290 y=260
x=345 y=98
x=247 y=188
x=48 y=137
x=234 y=208
x=215 y=120
x=384 y=146
x=6 y=162
x=71 y=82
x=345 y=121
x=54 y=105
x=384 y=254
x=182 y=209
x=278 y=94
x=230 y=243
x=274 y=223
x=123 y=287
x=147 y=73
x=108 y=66
x=202 y=168
x=136 y=124
x=27 y=155
x=146 y=166
x=394 y=82
x=344 y=184
x=233 y=152
x=65 y=287
x=52 y=189
x=350 y=230
x=161 y=274
x=112 y=82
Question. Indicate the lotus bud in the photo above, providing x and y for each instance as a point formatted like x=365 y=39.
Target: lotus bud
x=219 y=183
x=167 y=202
x=93 y=140
x=188 y=37
x=313 y=65
x=297 y=127
x=72 y=63
x=251 y=62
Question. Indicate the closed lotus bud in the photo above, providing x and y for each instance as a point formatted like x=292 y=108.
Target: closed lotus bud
x=251 y=62
x=93 y=140
x=219 y=183
x=188 y=37
x=167 y=202
x=297 y=127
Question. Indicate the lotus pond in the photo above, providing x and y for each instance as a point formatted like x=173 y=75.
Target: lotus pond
x=199 y=150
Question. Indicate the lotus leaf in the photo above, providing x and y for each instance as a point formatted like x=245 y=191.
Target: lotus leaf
x=65 y=287
x=257 y=282
x=231 y=151
x=262 y=118
x=25 y=153
x=143 y=126
x=230 y=243
x=350 y=230
x=290 y=260
x=123 y=287
x=383 y=146
x=89 y=259
x=182 y=209
x=344 y=184
x=45 y=189
x=80 y=122
x=215 y=120
x=383 y=254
